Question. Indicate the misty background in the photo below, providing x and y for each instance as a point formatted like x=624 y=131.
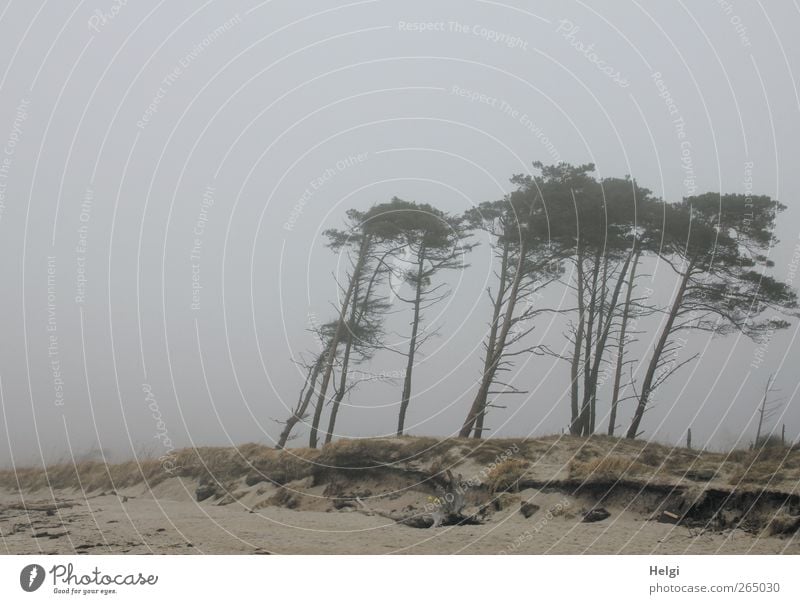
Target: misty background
x=168 y=169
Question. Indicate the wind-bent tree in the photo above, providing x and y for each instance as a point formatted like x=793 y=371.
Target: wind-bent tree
x=594 y=223
x=431 y=242
x=528 y=261
x=585 y=421
x=361 y=341
x=716 y=245
x=362 y=242
x=330 y=355
x=627 y=235
x=605 y=235
x=299 y=413
x=623 y=339
x=313 y=370
x=364 y=327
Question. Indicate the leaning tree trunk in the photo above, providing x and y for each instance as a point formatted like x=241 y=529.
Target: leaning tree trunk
x=647 y=384
x=326 y=378
x=495 y=355
x=412 y=347
x=496 y=311
x=339 y=395
x=356 y=316
x=348 y=348
x=612 y=418
x=602 y=336
x=599 y=348
x=574 y=426
x=302 y=404
x=587 y=369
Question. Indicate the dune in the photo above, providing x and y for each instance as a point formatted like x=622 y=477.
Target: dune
x=551 y=495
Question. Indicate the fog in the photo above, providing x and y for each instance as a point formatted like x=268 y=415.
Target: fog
x=168 y=170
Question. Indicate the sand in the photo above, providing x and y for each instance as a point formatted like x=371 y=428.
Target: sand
x=175 y=524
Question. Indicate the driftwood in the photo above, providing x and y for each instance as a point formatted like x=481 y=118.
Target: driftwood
x=445 y=510
x=412 y=520
x=668 y=517
x=421 y=519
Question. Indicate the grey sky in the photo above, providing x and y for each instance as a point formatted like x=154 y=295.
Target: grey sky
x=183 y=143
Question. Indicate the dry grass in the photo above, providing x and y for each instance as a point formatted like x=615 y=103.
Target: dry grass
x=88 y=475
x=220 y=464
x=633 y=459
x=282 y=467
x=487 y=451
x=768 y=465
x=610 y=467
x=368 y=453
x=594 y=458
x=506 y=475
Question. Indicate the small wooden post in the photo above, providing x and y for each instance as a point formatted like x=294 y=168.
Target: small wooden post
x=689 y=438
x=783 y=435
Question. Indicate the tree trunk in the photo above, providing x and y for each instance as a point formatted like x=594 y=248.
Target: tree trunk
x=644 y=395
x=574 y=426
x=356 y=317
x=599 y=348
x=326 y=378
x=761 y=413
x=602 y=337
x=497 y=310
x=493 y=328
x=587 y=369
x=302 y=404
x=495 y=355
x=612 y=418
x=412 y=347
x=337 y=399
